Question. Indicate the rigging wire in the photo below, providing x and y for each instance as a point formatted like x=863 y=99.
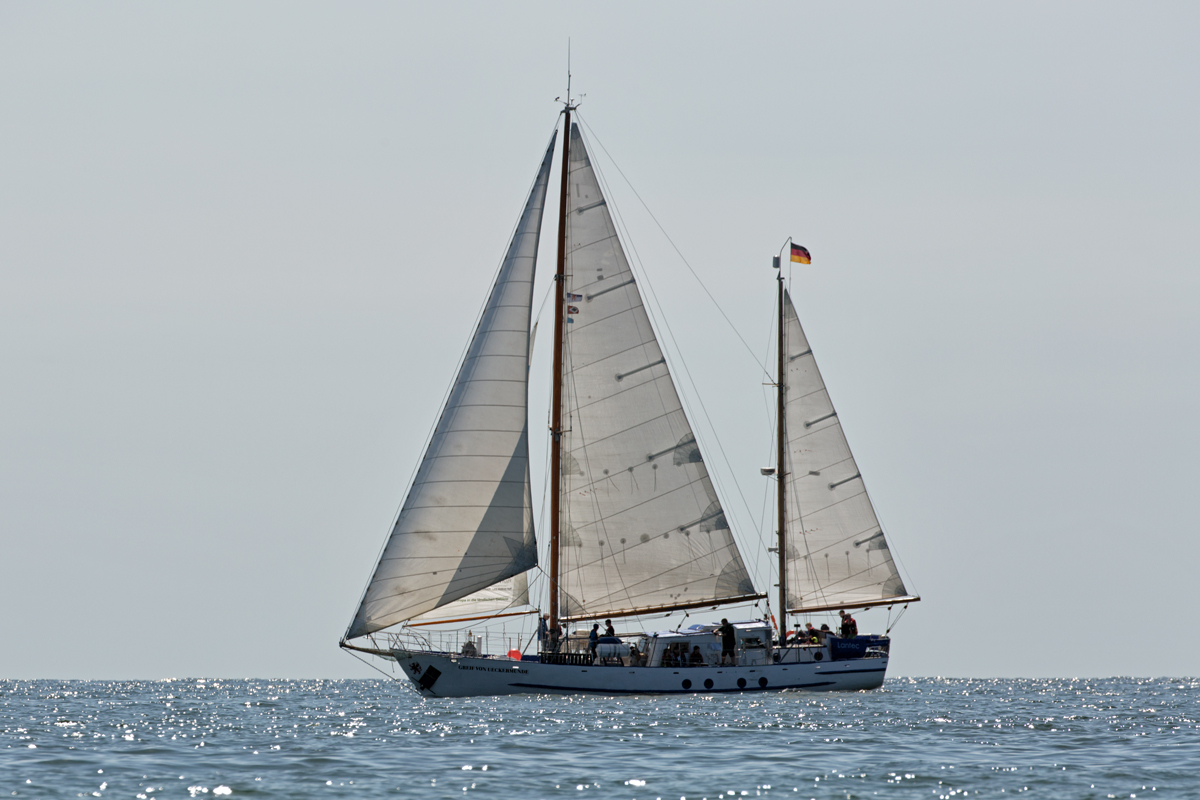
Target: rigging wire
x=373 y=666
x=643 y=278
x=717 y=305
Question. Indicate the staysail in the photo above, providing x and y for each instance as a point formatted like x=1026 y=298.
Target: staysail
x=641 y=529
x=837 y=555
x=509 y=596
x=467 y=522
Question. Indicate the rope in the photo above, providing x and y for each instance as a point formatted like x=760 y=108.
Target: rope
x=372 y=666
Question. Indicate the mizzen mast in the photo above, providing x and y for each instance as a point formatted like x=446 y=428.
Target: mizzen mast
x=780 y=471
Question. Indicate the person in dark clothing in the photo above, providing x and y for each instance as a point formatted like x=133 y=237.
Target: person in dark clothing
x=849 y=626
x=696 y=659
x=728 y=642
x=593 y=640
x=543 y=633
x=608 y=628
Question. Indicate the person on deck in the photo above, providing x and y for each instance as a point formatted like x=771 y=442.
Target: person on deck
x=593 y=640
x=696 y=659
x=849 y=626
x=728 y=642
x=811 y=636
x=672 y=656
x=608 y=628
x=543 y=631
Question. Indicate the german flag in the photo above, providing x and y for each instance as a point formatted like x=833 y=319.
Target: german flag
x=801 y=254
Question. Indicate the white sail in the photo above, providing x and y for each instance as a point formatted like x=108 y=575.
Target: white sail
x=467 y=523
x=837 y=555
x=641 y=526
x=510 y=595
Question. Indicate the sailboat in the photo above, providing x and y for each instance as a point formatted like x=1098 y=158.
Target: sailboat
x=636 y=526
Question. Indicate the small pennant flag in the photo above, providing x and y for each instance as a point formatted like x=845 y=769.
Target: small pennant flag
x=574 y=298
x=572 y=309
x=800 y=253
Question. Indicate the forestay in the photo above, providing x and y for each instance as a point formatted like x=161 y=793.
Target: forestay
x=642 y=527
x=837 y=555
x=467 y=523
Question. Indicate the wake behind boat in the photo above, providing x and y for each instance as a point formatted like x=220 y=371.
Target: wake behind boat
x=637 y=528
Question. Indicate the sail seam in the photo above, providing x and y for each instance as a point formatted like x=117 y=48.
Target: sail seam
x=840 y=542
x=593 y=364
x=641 y=424
x=589 y=321
x=600 y=519
x=593 y=243
x=838 y=502
x=654 y=578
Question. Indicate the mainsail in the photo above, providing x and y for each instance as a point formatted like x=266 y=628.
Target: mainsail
x=467 y=522
x=837 y=555
x=641 y=528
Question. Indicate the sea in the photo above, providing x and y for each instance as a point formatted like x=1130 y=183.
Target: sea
x=914 y=738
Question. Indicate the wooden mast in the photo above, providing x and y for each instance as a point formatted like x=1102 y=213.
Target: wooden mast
x=781 y=474
x=556 y=401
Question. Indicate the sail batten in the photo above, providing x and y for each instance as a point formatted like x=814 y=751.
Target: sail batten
x=467 y=524
x=837 y=554
x=642 y=527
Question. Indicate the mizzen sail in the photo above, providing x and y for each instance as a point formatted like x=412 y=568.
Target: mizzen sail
x=837 y=555
x=467 y=522
x=641 y=529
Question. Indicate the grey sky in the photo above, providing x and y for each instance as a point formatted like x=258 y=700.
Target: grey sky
x=241 y=247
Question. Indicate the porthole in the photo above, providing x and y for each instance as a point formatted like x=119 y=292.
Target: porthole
x=708 y=683
x=817 y=656
x=687 y=684
x=741 y=683
x=762 y=682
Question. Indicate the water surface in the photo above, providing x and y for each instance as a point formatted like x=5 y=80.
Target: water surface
x=921 y=738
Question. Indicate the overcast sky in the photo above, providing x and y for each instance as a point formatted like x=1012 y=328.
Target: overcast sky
x=243 y=245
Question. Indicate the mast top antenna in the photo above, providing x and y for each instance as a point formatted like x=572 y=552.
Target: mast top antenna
x=568 y=104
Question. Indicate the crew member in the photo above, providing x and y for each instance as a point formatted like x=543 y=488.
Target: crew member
x=728 y=642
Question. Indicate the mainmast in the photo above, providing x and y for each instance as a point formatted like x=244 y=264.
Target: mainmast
x=780 y=473
x=556 y=428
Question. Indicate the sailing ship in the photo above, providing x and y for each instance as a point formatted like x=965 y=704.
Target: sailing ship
x=636 y=526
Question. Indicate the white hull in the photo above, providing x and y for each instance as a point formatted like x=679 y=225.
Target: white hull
x=441 y=675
